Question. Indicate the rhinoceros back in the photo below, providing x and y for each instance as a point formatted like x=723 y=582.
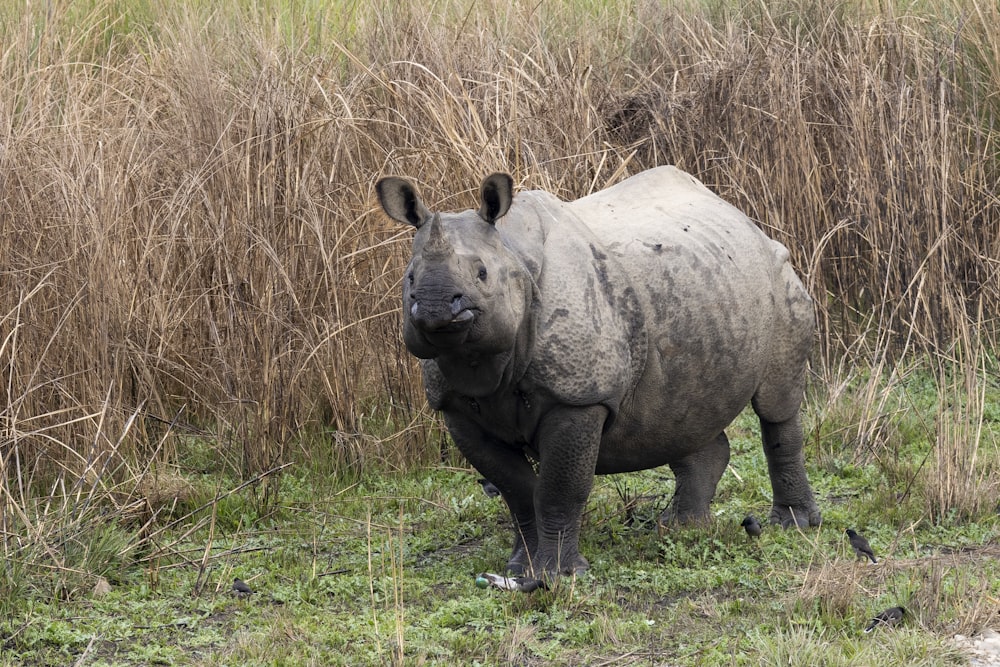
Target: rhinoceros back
x=687 y=251
x=666 y=210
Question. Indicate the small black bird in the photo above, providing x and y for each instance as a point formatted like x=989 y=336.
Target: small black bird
x=752 y=526
x=861 y=547
x=489 y=488
x=890 y=617
x=241 y=589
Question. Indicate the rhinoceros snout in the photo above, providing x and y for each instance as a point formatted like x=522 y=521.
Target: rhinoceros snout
x=445 y=318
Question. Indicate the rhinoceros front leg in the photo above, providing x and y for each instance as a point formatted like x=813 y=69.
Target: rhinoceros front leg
x=569 y=440
x=513 y=475
x=793 y=502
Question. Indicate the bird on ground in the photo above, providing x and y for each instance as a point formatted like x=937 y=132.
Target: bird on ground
x=889 y=618
x=240 y=588
x=861 y=547
x=752 y=526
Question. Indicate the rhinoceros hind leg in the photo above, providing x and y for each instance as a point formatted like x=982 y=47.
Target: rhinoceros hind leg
x=696 y=477
x=777 y=402
x=793 y=503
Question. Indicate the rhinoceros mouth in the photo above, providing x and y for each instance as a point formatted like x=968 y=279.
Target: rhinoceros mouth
x=463 y=319
x=446 y=340
x=446 y=333
x=434 y=325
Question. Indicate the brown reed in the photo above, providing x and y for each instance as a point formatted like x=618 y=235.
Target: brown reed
x=191 y=248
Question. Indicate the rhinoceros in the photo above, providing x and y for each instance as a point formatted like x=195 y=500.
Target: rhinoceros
x=617 y=332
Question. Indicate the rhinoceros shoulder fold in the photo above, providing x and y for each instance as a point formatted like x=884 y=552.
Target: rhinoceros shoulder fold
x=590 y=343
x=524 y=229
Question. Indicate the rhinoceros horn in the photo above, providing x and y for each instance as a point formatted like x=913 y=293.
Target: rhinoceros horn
x=436 y=247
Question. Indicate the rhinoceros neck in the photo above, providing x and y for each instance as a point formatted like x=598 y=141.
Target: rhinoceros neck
x=477 y=375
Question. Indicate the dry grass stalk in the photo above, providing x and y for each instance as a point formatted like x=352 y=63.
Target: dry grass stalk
x=943 y=592
x=963 y=479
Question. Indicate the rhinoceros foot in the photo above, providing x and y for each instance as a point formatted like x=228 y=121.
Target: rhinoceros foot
x=680 y=517
x=521 y=565
x=788 y=516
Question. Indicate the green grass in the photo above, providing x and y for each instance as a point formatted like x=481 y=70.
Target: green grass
x=379 y=569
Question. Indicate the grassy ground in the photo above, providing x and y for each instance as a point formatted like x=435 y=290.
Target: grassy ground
x=380 y=570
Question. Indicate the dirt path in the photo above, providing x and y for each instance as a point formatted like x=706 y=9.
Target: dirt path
x=983 y=649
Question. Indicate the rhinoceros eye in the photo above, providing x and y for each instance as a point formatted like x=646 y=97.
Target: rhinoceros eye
x=482 y=273
x=409 y=277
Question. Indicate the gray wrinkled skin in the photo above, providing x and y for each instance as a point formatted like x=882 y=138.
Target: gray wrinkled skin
x=618 y=332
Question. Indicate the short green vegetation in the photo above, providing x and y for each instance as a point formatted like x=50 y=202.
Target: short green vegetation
x=380 y=569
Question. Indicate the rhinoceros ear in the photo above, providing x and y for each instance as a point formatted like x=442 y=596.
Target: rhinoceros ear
x=495 y=194
x=401 y=201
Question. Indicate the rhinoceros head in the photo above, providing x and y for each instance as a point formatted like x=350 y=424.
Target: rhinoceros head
x=464 y=291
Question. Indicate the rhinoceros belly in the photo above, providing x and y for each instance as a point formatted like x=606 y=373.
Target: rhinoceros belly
x=678 y=407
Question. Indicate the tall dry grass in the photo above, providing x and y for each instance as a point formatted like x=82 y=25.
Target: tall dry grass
x=190 y=245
